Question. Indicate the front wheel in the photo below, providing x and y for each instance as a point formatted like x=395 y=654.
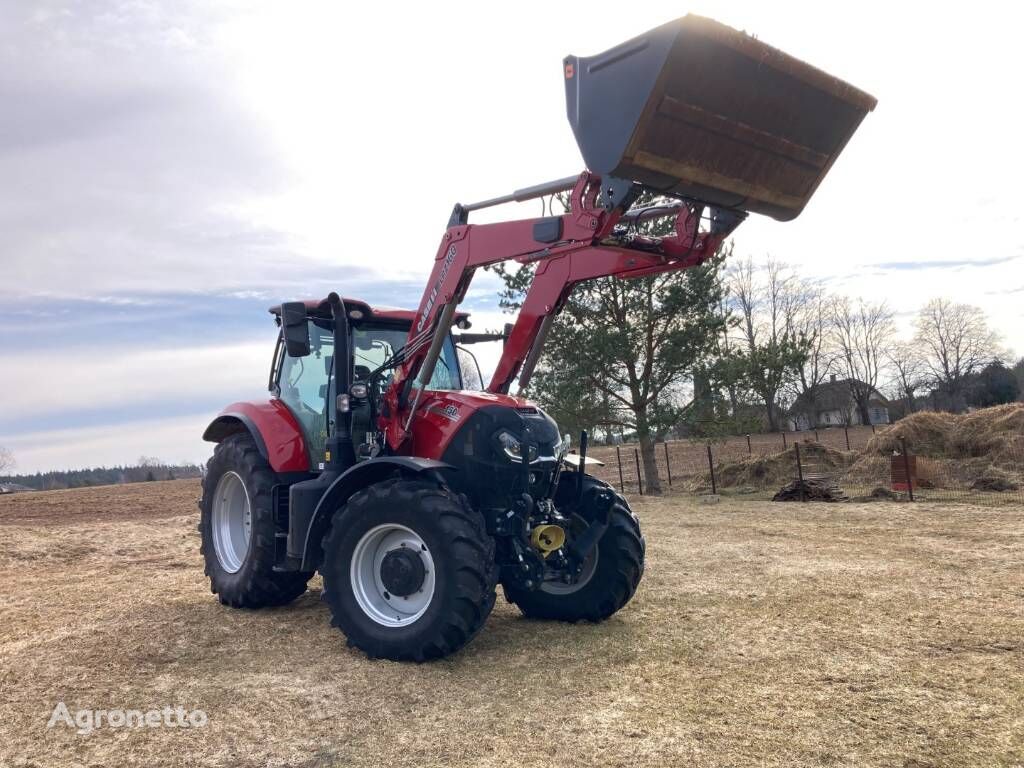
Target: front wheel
x=408 y=570
x=610 y=575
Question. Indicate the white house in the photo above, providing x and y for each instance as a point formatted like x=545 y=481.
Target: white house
x=831 y=404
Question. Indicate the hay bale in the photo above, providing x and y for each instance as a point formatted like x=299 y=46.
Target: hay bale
x=777 y=468
x=996 y=433
x=957 y=450
x=867 y=471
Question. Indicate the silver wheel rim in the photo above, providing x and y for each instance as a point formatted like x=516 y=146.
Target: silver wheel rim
x=368 y=587
x=561 y=588
x=232 y=522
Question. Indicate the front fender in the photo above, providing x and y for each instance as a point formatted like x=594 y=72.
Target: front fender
x=275 y=430
x=353 y=479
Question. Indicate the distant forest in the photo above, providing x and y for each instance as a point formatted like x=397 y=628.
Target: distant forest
x=147 y=470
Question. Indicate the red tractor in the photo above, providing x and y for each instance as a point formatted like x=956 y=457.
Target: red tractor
x=413 y=497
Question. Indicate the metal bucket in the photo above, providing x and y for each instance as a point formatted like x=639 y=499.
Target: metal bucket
x=699 y=109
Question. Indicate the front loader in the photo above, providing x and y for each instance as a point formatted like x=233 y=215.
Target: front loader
x=414 y=497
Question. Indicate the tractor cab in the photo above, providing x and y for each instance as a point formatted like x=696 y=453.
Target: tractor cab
x=302 y=376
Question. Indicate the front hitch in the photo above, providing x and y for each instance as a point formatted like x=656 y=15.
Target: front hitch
x=599 y=502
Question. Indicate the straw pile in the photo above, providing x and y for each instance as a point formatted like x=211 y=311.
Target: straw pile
x=776 y=469
x=995 y=434
x=983 y=450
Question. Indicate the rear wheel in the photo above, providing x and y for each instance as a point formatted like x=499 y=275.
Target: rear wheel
x=237 y=528
x=408 y=570
x=610 y=575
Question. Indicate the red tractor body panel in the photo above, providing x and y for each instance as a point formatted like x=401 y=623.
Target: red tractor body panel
x=275 y=427
x=441 y=414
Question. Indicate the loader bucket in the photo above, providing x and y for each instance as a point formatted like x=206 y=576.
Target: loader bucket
x=698 y=109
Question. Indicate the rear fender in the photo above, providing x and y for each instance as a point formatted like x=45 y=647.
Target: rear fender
x=352 y=480
x=274 y=429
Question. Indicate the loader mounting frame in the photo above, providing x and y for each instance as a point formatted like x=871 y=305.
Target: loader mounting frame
x=590 y=241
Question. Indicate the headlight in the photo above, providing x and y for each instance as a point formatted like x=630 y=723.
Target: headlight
x=512 y=446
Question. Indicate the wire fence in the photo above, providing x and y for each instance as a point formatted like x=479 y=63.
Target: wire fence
x=825 y=464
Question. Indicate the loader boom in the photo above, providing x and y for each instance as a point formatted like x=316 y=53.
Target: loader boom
x=588 y=242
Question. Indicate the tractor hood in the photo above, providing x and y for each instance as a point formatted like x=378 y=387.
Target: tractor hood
x=698 y=109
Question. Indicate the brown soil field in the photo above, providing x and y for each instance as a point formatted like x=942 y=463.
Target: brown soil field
x=763 y=634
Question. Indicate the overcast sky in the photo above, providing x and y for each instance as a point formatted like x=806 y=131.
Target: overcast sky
x=169 y=170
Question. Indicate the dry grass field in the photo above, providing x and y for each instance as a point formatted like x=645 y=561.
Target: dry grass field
x=763 y=634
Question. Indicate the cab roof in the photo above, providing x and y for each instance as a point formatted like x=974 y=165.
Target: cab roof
x=322 y=308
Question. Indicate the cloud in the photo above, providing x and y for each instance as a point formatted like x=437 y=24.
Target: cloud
x=943 y=263
x=118 y=151
x=193 y=378
x=1006 y=291
x=172 y=439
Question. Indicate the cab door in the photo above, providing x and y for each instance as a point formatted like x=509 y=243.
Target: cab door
x=305 y=384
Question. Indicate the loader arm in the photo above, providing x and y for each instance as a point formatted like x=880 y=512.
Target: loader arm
x=555 y=278
x=580 y=245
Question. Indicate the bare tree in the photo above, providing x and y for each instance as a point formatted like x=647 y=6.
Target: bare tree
x=6 y=460
x=908 y=373
x=956 y=342
x=772 y=346
x=862 y=332
x=812 y=319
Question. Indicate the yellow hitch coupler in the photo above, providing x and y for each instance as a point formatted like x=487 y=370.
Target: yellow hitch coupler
x=547 y=538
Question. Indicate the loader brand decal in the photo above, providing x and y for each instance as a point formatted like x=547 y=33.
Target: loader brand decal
x=449 y=411
x=448 y=260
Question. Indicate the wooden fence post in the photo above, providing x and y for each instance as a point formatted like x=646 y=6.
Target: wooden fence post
x=799 y=472
x=668 y=464
x=618 y=459
x=906 y=468
x=639 y=477
x=711 y=465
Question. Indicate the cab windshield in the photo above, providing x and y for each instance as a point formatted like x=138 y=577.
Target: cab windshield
x=373 y=344
x=306 y=384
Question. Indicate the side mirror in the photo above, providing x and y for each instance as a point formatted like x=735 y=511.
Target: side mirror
x=295 y=328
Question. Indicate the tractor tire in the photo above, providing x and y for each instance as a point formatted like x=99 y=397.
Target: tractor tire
x=237 y=527
x=610 y=575
x=409 y=572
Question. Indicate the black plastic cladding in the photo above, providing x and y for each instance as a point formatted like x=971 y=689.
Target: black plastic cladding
x=484 y=472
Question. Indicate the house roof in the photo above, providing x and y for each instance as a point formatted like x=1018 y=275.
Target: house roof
x=833 y=395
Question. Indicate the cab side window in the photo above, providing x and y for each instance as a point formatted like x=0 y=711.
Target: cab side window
x=304 y=384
